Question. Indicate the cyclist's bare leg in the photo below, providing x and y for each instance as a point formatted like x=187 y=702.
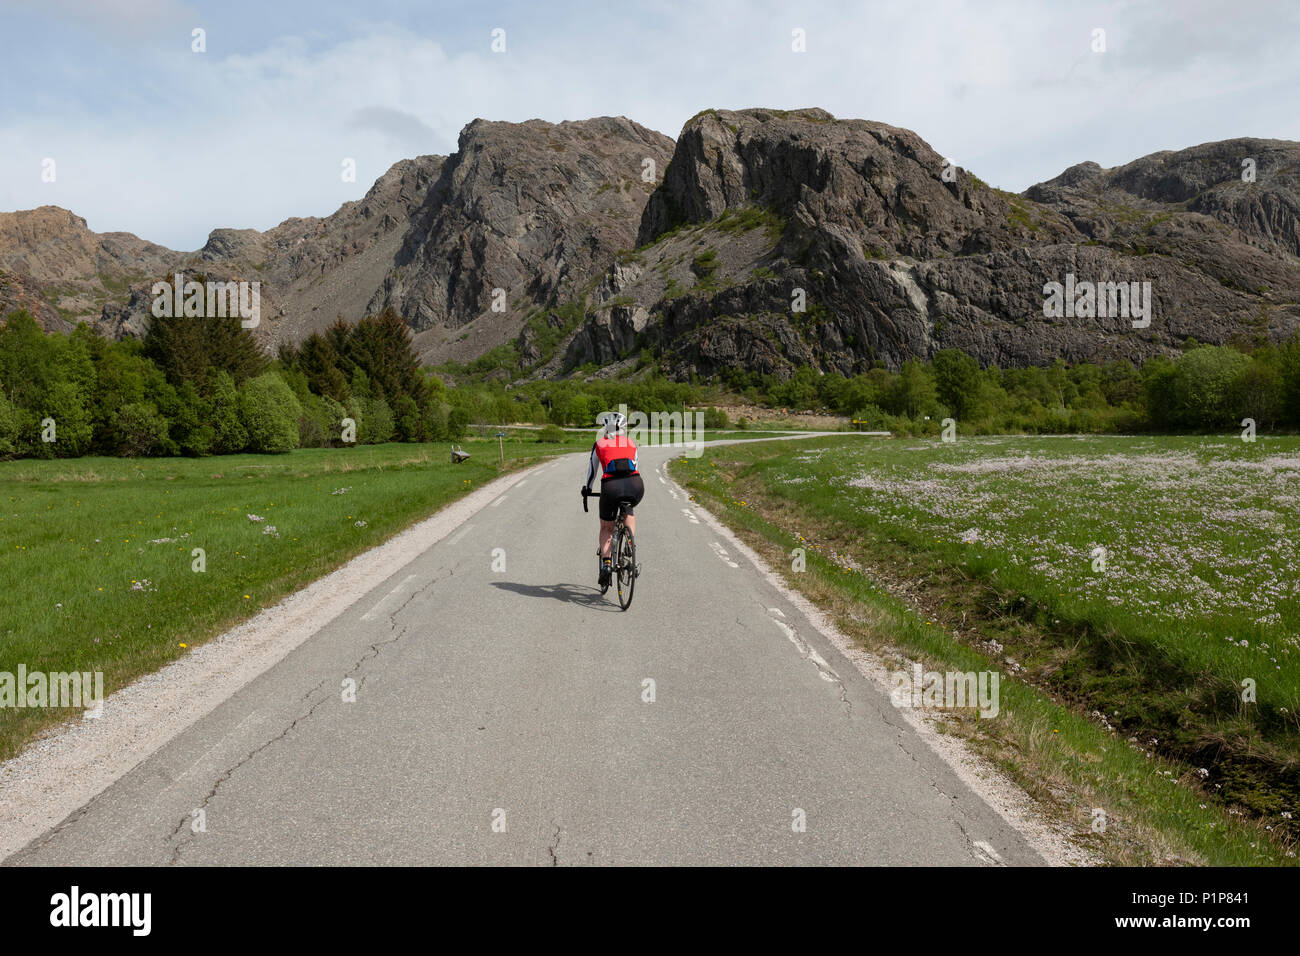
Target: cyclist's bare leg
x=606 y=536
x=630 y=521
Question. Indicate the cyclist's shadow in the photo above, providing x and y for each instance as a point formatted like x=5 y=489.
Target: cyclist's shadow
x=571 y=593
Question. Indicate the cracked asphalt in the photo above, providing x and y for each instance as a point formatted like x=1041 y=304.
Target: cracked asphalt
x=458 y=714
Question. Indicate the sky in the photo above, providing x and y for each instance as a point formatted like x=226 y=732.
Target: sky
x=151 y=136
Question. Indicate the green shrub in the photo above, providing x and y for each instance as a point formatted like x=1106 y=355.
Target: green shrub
x=457 y=423
x=320 y=423
x=1203 y=388
x=228 y=432
x=716 y=418
x=269 y=412
x=10 y=423
x=141 y=429
x=73 y=430
x=705 y=265
x=380 y=424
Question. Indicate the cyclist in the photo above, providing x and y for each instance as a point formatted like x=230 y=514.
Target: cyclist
x=613 y=457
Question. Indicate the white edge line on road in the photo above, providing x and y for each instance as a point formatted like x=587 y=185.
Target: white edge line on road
x=992 y=786
x=68 y=766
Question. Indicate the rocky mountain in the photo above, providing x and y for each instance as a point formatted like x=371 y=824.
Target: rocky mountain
x=899 y=254
x=760 y=240
x=534 y=209
x=53 y=265
x=310 y=270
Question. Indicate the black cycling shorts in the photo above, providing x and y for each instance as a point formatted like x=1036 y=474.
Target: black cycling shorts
x=612 y=490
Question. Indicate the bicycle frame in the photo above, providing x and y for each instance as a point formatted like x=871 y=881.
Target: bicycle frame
x=625 y=573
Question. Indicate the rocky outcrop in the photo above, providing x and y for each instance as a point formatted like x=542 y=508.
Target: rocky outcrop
x=66 y=272
x=894 y=254
x=18 y=291
x=535 y=210
x=52 y=245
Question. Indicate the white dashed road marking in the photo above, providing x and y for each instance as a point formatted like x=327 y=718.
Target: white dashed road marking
x=987 y=849
x=806 y=651
x=388 y=598
x=721 y=552
x=690 y=515
x=224 y=738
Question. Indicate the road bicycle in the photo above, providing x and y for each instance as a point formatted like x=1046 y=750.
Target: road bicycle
x=623 y=566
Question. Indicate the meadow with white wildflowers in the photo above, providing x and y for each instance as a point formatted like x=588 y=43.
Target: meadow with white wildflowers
x=1189 y=542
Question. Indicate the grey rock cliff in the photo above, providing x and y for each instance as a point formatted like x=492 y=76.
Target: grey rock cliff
x=896 y=259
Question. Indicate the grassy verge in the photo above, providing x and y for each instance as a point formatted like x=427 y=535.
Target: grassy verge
x=886 y=528
x=98 y=553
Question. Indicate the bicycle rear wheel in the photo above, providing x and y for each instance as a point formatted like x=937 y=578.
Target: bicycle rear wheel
x=626 y=564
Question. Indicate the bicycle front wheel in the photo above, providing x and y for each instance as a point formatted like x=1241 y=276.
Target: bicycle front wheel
x=627 y=571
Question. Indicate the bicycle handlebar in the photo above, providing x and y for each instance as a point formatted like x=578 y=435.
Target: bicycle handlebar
x=585 y=495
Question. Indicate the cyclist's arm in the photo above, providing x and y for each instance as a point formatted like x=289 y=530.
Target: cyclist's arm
x=593 y=468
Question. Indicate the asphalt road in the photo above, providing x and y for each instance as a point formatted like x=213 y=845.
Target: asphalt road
x=500 y=717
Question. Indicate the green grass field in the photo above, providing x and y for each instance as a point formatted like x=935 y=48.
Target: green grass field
x=992 y=543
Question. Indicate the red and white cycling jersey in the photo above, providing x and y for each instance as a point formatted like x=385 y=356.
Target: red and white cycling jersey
x=612 y=457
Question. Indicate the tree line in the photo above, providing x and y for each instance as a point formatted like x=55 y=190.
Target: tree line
x=202 y=386
x=1205 y=388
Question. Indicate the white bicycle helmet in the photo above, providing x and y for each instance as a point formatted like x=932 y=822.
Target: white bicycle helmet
x=614 y=422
